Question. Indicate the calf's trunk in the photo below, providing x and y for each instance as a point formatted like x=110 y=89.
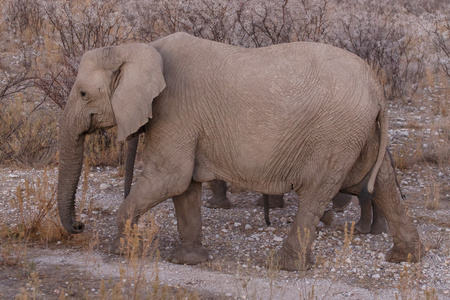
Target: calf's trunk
x=70 y=164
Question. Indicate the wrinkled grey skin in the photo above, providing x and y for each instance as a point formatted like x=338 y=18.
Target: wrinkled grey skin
x=208 y=106
x=218 y=187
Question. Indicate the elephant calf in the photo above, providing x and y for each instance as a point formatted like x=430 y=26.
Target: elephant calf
x=307 y=117
x=371 y=220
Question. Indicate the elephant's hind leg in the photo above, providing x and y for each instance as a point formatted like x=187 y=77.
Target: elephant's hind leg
x=219 y=198
x=295 y=253
x=341 y=201
x=405 y=235
x=364 y=224
x=379 y=224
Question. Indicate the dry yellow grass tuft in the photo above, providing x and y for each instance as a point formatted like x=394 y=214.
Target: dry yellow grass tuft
x=35 y=203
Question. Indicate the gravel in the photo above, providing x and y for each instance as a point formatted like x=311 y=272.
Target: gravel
x=239 y=242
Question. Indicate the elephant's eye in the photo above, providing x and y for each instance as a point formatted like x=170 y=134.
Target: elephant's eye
x=82 y=94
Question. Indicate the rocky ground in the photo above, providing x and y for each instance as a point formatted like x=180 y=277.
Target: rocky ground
x=240 y=243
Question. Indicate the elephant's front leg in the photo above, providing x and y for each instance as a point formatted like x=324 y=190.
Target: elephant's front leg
x=138 y=202
x=189 y=223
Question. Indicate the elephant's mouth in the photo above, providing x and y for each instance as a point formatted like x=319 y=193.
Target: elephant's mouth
x=96 y=122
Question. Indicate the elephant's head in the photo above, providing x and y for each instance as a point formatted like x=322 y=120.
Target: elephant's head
x=114 y=86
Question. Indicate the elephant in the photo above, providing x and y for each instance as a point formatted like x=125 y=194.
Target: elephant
x=301 y=116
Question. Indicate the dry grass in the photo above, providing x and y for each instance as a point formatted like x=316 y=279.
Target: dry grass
x=28 y=133
x=139 y=246
x=408 y=285
x=430 y=148
x=37 y=219
x=102 y=148
x=432 y=194
x=38 y=223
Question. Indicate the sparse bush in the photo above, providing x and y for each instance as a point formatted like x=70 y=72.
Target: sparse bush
x=74 y=28
x=25 y=18
x=28 y=133
x=441 y=39
x=263 y=24
x=378 y=35
x=57 y=33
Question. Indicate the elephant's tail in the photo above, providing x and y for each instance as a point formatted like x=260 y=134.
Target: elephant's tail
x=382 y=119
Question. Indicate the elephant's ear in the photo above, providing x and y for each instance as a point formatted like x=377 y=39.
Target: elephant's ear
x=136 y=81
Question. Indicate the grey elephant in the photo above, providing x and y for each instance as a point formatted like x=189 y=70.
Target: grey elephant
x=207 y=106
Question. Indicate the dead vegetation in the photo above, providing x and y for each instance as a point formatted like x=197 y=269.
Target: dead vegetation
x=406 y=42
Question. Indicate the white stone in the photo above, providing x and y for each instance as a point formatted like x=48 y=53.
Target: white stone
x=104 y=186
x=248 y=227
x=278 y=239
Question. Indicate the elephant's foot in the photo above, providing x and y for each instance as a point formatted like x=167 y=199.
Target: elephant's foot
x=218 y=202
x=275 y=201
x=291 y=260
x=120 y=246
x=399 y=253
x=189 y=255
x=327 y=217
x=363 y=226
x=115 y=247
x=379 y=227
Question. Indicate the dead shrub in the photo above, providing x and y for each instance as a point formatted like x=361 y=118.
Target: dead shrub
x=28 y=134
x=57 y=33
x=377 y=34
x=102 y=148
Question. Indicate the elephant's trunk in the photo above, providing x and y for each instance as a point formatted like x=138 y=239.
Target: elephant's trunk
x=70 y=165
